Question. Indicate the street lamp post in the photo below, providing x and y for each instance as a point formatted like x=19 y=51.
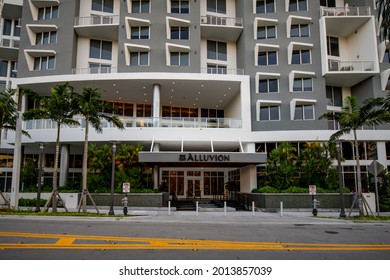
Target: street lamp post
x=341 y=185
x=40 y=160
x=111 y=211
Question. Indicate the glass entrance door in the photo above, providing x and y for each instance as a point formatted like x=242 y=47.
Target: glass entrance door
x=194 y=188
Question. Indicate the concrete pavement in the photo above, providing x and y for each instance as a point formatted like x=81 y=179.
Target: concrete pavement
x=162 y=214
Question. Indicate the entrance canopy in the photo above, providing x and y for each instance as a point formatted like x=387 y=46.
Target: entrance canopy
x=202 y=158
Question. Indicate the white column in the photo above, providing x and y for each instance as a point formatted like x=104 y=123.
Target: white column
x=156 y=104
x=156 y=169
x=248 y=178
x=64 y=165
x=17 y=163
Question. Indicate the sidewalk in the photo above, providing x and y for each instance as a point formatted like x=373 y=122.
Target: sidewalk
x=162 y=214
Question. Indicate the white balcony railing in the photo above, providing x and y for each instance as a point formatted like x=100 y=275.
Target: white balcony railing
x=350 y=65
x=9 y=43
x=346 y=11
x=97 y=20
x=222 y=71
x=222 y=21
x=94 y=70
x=132 y=122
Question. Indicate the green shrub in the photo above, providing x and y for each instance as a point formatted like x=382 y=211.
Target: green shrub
x=266 y=189
x=24 y=202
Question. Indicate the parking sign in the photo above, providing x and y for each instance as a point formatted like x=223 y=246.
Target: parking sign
x=312 y=189
x=126 y=187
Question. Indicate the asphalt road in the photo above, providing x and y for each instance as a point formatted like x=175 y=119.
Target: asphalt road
x=69 y=238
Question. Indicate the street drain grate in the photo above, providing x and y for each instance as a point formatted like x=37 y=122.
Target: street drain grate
x=331 y=232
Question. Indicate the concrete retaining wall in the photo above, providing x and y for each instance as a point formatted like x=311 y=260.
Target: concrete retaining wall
x=272 y=201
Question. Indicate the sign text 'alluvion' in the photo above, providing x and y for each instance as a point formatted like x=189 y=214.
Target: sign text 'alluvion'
x=204 y=158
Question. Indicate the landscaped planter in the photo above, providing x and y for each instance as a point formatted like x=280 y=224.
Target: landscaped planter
x=271 y=201
x=134 y=199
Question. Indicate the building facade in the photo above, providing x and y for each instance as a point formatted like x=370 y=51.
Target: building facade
x=208 y=87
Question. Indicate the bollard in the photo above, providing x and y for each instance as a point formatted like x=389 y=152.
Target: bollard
x=224 y=208
x=125 y=202
x=253 y=208
x=281 y=209
x=169 y=208
x=197 y=208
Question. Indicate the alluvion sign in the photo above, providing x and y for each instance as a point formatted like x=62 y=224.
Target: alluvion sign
x=204 y=157
x=199 y=157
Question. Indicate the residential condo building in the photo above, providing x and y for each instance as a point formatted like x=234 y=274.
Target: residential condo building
x=208 y=87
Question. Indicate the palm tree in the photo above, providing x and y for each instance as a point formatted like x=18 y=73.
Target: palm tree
x=8 y=111
x=384 y=18
x=59 y=107
x=92 y=108
x=351 y=118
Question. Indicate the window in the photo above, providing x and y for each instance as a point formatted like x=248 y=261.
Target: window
x=386 y=58
x=267 y=58
x=268 y=85
x=300 y=57
x=44 y=63
x=7 y=26
x=11 y=28
x=269 y=113
x=328 y=3
x=180 y=7
x=265 y=6
x=297 y=5
x=100 y=49
x=45 y=38
x=333 y=46
x=334 y=96
x=299 y=30
x=266 y=32
x=139 y=58
x=180 y=58
x=304 y=112
x=217 y=50
x=106 y=6
x=216 y=6
x=140 y=6
x=3 y=68
x=180 y=32
x=48 y=12
x=303 y=84
x=140 y=32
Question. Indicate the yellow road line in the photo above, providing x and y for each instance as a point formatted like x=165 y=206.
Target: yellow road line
x=66 y=241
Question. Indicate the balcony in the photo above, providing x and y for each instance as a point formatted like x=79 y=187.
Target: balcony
x=346 y=11
x=350 y=72
x=222 y=71
x=94 y=70
x=357 y=65
x=9 y=48
x=133 y=122
x=100 y=27
x=221 y=28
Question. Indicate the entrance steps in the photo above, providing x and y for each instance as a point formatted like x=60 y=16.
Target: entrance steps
x=207 y=205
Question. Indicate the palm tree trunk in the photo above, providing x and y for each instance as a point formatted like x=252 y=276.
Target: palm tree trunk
x=359 y=175
x=55 y=174
x=85 y=166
